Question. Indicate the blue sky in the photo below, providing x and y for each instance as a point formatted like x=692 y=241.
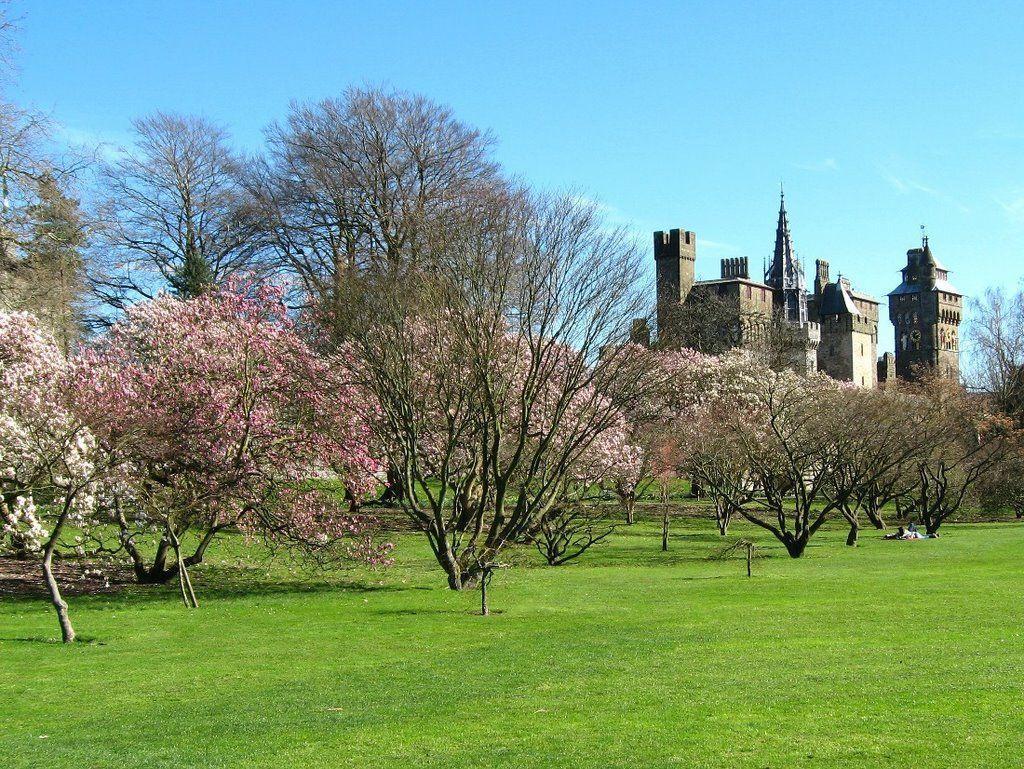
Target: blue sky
x=877 y=116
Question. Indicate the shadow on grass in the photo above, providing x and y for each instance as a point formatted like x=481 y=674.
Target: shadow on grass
x=54 y=641
x=418 y=612
x=210 y=583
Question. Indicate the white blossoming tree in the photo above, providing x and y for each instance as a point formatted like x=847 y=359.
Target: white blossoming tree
x=48 y=465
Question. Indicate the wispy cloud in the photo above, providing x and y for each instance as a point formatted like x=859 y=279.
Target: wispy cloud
x=83 y=139
x=828 y=164
x=906 y=185
x=1013 y=207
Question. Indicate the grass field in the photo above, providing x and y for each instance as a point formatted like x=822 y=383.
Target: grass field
x=903 y=654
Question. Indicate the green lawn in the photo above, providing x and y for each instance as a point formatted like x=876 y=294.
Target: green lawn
x=890 y=654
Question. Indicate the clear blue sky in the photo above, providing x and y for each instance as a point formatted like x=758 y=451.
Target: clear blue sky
x=877 y=116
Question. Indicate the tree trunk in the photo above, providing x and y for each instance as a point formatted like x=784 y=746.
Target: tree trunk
x=722 y=518
x=452 y=568
x=750 y=556
x=851 y=538
x=188 y=596
x=67 y=632
x=795 y=546
x=875 y=518
x=484 y=609
x=664 y=516
x=394 y=491
x=630 y=504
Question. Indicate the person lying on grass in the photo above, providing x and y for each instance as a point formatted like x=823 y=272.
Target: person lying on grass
x=911 y=532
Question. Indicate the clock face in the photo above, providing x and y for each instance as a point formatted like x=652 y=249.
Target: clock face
x=915 y=335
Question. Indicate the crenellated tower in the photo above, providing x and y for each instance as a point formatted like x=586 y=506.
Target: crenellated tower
x=675 y=255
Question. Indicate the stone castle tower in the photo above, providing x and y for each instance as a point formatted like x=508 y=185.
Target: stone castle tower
x=675 y=257
x=925 y=310
x=849 y=329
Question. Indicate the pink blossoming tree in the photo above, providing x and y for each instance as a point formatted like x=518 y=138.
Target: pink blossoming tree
x=221 y=417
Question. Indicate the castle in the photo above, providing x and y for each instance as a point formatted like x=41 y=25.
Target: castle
x=833 y=328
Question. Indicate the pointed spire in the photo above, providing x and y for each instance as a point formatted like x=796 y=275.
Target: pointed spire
x=784 y=255
x=786 y=274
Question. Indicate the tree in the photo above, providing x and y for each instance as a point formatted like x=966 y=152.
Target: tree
x=576 y=524
x=967 y=442
x=220 y=416
x=498 y=367
x=568 y=530
x=996 y=335
x=703 y=393
x=358 y=183
x=54 y=256
x=175 y=215
x=754 y=438
x=706 y=322
x=873 y=443
x=42 y=230
x=51 y=468
x=1002 y=485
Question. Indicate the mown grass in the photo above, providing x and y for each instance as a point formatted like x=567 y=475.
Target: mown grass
x=890 y=654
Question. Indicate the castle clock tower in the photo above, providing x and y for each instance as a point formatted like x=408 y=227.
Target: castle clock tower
x=925 y=310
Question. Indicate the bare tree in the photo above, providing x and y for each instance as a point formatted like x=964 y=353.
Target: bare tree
x=967 y=443
x=1002 y=486
x=175 y=214
x=500 y=365
x=357 y=183
x=873 y=442
x=720 y=467
x=995 y=335
x=782 y=446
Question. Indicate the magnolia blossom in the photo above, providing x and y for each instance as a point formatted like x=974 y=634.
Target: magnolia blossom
x=44 y=449
x=221 y=414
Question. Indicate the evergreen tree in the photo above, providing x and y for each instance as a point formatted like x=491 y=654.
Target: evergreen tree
x=194 y=277
x=53 y=256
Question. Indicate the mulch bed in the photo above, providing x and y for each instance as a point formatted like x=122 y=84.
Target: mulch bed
x=24 y=577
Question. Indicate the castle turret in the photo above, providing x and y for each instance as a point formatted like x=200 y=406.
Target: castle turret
x=736 y=267
x=820 y=276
